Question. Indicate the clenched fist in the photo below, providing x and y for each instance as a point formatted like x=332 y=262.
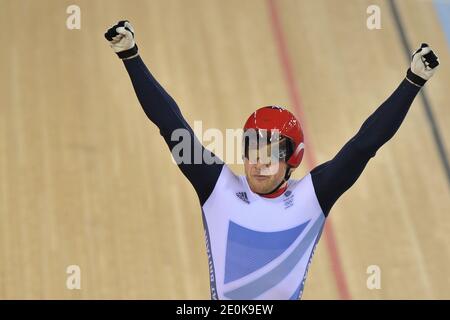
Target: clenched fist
x=423 y=65
x=121 y=39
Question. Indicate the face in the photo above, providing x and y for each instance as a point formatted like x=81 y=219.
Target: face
x=264 y=162
x=263 y=178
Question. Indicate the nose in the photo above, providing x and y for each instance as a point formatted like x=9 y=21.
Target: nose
x=262 y=164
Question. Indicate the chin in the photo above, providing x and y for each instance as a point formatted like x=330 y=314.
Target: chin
x=260 y=187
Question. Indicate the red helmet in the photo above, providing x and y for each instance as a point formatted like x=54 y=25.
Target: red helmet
x=273 y=117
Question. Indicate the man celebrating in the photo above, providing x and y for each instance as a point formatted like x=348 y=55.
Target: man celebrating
x=262 y=228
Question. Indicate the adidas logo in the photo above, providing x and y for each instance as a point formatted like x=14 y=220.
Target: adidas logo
x=243 y=196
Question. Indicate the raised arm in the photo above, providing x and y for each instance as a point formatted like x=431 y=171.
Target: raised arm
x=332 y=178
x=163 y=111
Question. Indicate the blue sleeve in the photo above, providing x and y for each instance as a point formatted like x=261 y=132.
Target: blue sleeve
x=332 y=178
x=163 y=111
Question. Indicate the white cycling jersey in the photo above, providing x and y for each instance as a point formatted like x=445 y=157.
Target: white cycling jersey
x=260 y=248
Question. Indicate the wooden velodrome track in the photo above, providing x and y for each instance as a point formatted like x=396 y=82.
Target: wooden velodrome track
x=86 y=179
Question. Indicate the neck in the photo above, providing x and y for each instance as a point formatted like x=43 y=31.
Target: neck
x=277 y=192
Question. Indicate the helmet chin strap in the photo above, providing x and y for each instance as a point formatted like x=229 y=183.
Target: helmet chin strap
x=287 y=175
